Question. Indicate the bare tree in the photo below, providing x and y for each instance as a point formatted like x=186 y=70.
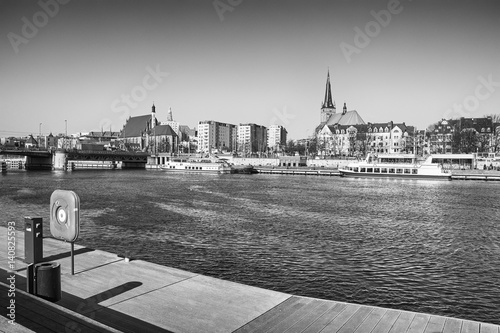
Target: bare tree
x=469 y=140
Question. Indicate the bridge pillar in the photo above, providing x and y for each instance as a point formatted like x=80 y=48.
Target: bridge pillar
x=60 y=160
x=133 y=165
x=38 y=163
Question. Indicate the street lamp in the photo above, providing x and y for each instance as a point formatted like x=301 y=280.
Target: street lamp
x=40 y=137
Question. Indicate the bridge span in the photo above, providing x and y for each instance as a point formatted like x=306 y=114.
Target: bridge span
x=61 y=159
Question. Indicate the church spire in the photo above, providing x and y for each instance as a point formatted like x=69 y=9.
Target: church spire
x=327 y=103
x=327 y=107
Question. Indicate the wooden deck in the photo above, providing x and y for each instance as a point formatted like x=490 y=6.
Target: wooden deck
x=108 y=294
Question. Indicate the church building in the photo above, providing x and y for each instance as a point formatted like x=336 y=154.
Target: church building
x=336 y=130
x=144 y=133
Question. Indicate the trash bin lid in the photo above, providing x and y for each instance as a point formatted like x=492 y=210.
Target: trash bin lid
x=47 y=265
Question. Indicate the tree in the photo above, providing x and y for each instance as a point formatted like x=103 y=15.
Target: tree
x=468 y=140
x=456 y=140
x=313 y=146
x=363 y=141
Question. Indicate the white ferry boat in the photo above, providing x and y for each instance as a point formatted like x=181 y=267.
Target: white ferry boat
x=401 y=166
x=196 y=165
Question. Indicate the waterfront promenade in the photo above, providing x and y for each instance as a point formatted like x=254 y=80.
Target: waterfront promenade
x=110 y=294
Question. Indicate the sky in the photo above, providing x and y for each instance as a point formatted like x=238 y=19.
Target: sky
x=80 y=66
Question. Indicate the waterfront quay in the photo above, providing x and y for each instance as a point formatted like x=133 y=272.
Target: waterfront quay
x=110 y=293
x=305 y=171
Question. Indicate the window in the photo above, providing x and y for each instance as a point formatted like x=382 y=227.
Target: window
x=399 y=170
x=376 y=170
x=356 y=169
x=362 y=170
x=391 y=170
x=369 y=170
x=414 y=171
x=407 y=171
x=384 y=170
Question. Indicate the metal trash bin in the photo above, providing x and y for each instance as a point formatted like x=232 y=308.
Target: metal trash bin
x=48 y=281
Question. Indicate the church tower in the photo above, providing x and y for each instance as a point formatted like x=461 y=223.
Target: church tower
x=327 y=107
x=153 y=116
x=169 y=115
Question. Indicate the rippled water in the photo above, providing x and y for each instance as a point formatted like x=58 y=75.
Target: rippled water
x=427 y=246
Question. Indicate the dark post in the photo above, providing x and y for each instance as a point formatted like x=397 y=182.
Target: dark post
x=33 y=240
x=72 y=258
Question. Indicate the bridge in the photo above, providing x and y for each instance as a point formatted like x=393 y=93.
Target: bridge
x=61 y=159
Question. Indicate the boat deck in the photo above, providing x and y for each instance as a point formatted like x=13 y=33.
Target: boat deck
x=109 y=294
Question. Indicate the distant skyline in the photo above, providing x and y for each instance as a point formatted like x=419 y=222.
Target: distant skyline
x=94 y=63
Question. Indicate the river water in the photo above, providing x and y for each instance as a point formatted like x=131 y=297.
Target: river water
x=419 y=245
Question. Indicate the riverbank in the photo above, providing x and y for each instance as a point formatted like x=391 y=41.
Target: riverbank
x=110 y=293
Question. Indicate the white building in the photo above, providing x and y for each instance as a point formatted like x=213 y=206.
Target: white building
x=252 y=138
x=276 y=137
x=214 y=136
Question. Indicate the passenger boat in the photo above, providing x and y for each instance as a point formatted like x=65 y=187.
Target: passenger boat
x=196 y=165
x=400 y=166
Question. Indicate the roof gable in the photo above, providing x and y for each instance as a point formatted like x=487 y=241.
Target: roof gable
x=349 y=118
x=162 y=130
x=135 y=126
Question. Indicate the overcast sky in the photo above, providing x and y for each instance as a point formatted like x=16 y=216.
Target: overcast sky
x=91 y=64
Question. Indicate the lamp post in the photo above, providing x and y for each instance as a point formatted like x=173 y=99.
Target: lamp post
x=40 y=137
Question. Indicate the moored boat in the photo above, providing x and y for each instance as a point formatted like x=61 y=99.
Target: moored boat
x=196 y=165
x=399 y=166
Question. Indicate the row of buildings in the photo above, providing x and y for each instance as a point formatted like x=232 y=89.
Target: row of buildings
x=148 y=133
x=345 y=133
x=342 y=133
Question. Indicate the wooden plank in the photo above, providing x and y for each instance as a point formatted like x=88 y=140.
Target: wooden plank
x=488 y=328
x=435 y=324
x=284 y=316
x=452 y=325
x=356 y=320
x=49 y=316
x=304 y=312
x=320 y=323
x=342 y=318
x=309 y=318
x=372 y=320
x=470 y=327
x=385 y=324
x=403 y=322
x=6 y=327
x=267 y=316
x=418 y=323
